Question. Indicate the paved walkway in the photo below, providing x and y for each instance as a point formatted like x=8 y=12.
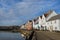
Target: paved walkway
x=46 y=35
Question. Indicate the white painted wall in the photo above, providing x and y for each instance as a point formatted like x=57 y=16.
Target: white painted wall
x=48 y=25
x=44 y=21
x=59 y=24
x=54 y=24
x=40 y=22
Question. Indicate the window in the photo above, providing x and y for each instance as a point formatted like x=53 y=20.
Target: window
x=51 y=22
x=55 y=27
x=55 y=21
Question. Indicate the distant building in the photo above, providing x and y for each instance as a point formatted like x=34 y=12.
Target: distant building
x=28 y=25
x=22 y=26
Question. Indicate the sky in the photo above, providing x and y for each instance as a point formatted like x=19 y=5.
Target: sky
x=18 y=12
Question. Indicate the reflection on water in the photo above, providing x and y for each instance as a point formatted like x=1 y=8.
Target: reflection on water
x=10 y=36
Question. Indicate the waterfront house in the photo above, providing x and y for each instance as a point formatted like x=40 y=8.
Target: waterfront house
x=42 y=22
x=48 y=23
x=43 y=19
x=36 y=23
x=54 y=23
x=29 y=25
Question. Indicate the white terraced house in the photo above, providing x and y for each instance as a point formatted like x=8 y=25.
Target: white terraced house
x=53 y=24
x=36 y=24
x=45 y=18
x=48 y=23
x=43 y=23
x=40 y=22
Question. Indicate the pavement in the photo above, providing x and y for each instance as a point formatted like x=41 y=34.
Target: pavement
x=46 y=35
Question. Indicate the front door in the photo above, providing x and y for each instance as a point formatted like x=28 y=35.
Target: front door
x=51 y=28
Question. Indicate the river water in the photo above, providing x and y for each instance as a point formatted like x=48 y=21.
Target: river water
x=10 y=36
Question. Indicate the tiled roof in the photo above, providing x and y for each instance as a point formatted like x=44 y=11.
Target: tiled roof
x=54 y=17
x=48 y=13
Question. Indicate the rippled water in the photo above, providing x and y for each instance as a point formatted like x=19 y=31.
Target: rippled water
x=10 y=36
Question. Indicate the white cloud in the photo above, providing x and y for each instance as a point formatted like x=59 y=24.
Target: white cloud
x=22 y=11
x=26 y=8
x=37 y=0
x=11 y=22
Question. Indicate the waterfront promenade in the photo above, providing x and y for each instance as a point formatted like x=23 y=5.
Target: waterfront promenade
x=46 y=35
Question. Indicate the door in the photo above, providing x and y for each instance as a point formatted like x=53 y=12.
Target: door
x=51 y=28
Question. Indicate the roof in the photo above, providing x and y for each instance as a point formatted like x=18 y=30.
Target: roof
x=41 y=17
x=30 y=20
x=45 y=15
x=35 y=20
x=54 y=17
x=48 y=13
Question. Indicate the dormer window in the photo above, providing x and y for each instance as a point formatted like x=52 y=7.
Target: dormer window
x=55 y=27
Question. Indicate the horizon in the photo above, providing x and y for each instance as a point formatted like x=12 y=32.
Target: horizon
x=18 y=12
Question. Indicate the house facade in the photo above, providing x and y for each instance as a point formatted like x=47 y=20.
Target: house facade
x=36 y=23
x=28 y=25
x=53 y=23
x=43 y=22
x=49 y=24
x=40 y=22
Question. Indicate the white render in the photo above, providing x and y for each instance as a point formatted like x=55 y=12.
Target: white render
x=40 y=22
x=44 y=22
x=35 y=26
x=53 y=25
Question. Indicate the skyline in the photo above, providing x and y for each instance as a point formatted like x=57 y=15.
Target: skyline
x=17 y=12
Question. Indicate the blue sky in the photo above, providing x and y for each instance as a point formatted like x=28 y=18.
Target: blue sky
x=17 y=12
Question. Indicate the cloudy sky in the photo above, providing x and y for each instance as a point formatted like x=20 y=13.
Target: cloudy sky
x=17 y=12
